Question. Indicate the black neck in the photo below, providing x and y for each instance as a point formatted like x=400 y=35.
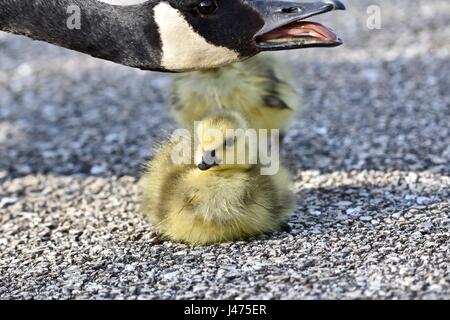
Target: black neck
x=122 y=34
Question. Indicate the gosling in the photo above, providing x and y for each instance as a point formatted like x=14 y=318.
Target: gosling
x=260 y=88
x=212 y=200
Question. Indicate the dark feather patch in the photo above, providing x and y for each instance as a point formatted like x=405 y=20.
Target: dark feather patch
x=175 y=102
x=275 y=102
x=166 y=192
x=272 y=97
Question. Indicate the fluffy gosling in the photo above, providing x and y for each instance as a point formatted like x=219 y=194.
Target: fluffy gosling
x=211 y=201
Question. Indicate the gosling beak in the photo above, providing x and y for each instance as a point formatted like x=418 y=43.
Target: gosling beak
x=203 y=166
x=285 y=27
x=209 y=160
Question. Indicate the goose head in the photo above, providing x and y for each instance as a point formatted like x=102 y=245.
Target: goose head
x=204 y=34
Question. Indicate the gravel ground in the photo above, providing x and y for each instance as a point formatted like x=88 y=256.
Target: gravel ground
x=370 y=154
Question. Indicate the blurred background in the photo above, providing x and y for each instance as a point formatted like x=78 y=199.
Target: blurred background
x=370 y=156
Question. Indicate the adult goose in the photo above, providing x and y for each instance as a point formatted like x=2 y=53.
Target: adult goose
x=171 y=35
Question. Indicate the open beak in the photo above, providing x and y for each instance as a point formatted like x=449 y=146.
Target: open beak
x=285 y=26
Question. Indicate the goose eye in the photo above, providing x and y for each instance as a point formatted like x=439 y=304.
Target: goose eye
x=207 y=7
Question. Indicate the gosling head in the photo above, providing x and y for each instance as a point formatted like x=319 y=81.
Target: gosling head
x=205 y=34
x=223 y=143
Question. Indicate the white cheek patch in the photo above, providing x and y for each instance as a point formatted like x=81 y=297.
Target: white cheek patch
x=182 y=48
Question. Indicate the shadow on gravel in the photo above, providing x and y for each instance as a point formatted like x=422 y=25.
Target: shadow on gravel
x=319 y=209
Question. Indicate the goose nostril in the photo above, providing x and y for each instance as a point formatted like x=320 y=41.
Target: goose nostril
x=290 y=10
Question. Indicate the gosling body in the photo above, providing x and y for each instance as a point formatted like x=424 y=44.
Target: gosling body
x=260 y=88
x=200 y=204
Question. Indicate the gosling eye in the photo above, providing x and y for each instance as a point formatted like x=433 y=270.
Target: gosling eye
x=207 y=7
x=229 y=142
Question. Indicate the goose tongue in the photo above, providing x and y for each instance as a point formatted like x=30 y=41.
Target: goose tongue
x=301 y=29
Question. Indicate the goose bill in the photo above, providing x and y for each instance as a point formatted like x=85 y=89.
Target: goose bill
x=285 y=26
